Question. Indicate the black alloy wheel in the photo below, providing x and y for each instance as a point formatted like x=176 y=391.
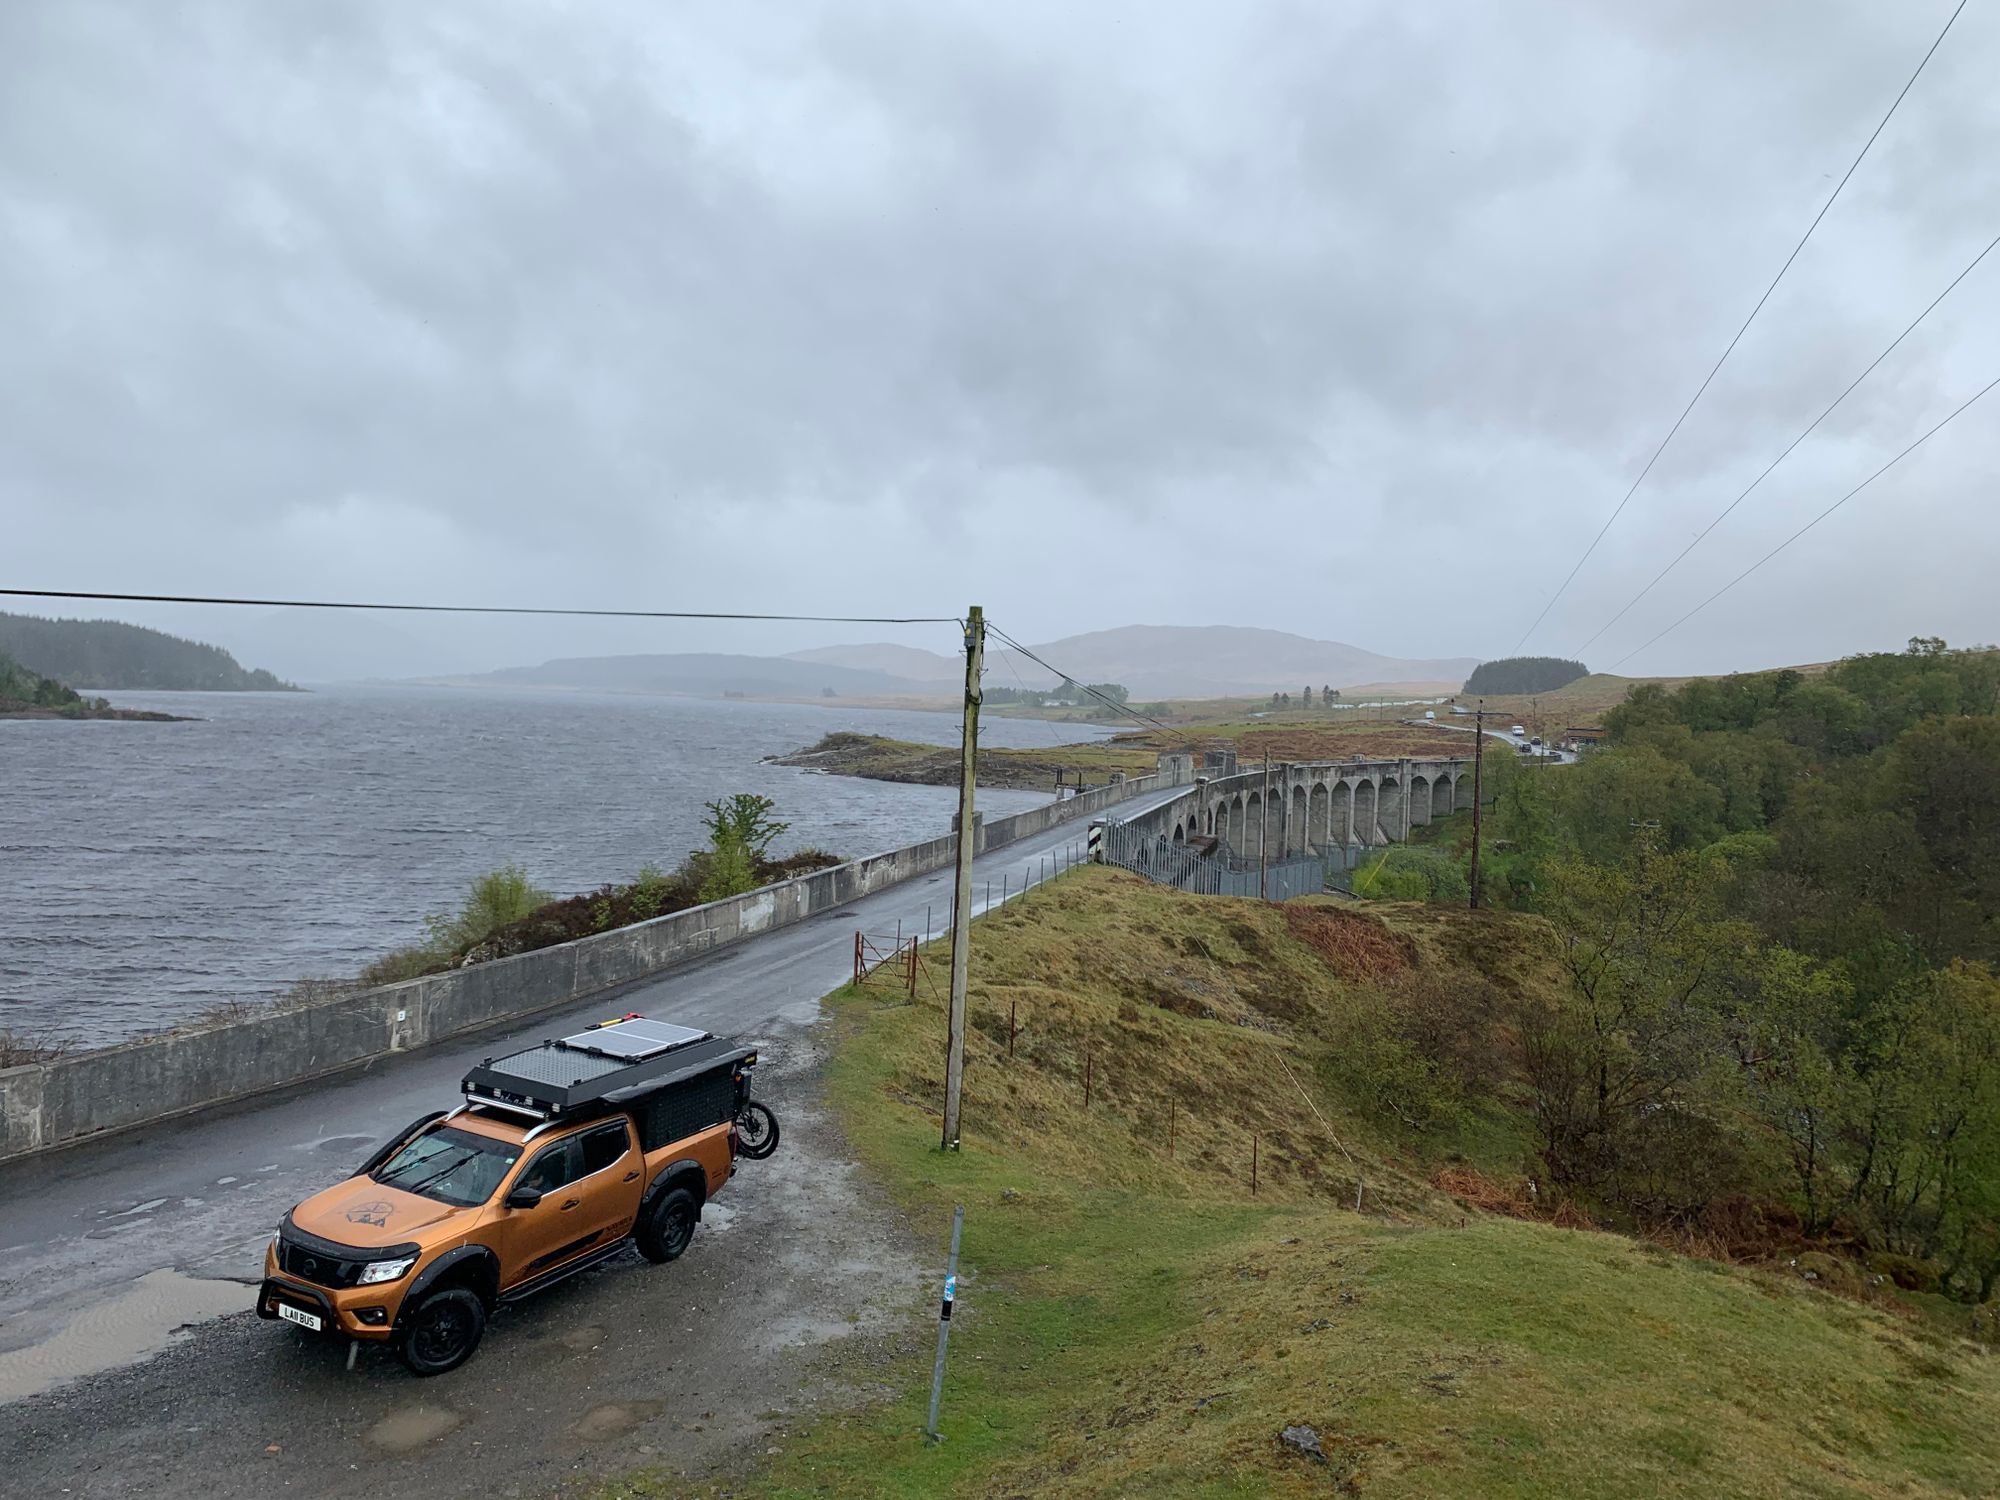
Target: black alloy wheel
x=443 y=1331
x=670 y=1227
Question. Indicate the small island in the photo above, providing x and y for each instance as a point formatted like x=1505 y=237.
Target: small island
x=29 y=695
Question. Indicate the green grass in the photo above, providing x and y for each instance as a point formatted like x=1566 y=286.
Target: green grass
x=1137 y=1325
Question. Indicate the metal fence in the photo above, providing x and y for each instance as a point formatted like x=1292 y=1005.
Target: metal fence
x=1226 y=873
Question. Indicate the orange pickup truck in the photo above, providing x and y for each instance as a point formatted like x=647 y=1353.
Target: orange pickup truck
x=560 y=1155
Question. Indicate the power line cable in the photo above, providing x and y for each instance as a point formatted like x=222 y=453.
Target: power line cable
x=1788 y=448
x=1104 y=698
x=1852 y=166
x=483 y=609
x=1808 y=526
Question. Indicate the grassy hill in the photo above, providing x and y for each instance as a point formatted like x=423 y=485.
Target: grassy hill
x=1135 y=1319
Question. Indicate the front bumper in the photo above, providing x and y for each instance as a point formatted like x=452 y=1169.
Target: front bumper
x=345 y=1313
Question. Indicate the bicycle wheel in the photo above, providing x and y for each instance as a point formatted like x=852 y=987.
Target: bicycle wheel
x=756 y=1131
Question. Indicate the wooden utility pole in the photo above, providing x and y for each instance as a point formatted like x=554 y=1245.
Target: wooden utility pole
x=1478 y=765
x=961 y=901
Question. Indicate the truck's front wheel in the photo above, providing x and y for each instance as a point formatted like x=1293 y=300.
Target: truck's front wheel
x=443 y=1331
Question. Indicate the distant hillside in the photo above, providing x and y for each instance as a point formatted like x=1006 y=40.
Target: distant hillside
x=699 y=675
x=1219 y=661
x=110 y=654
x=911 y=663
x=1152 y=661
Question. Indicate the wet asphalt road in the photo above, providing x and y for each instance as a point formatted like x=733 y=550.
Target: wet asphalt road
x=200 y=1196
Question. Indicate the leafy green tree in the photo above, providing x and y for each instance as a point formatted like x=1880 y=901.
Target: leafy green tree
x=1790 y=1018
x=1412 y=872
x=1622 y=1066
x=740 y=832
x=745 y=818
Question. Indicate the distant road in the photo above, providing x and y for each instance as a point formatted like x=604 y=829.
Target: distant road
x=202 y=1195
x=1505 y=736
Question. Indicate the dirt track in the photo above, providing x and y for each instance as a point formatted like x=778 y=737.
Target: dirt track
x=696 y=1367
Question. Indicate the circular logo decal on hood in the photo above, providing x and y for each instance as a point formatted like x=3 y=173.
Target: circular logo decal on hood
x=375 y=1213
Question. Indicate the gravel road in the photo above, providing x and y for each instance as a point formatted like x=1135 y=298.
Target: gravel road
x=695 y=1367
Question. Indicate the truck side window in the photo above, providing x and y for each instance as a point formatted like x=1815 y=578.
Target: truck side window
x=603 y=1146
x=557 y=1167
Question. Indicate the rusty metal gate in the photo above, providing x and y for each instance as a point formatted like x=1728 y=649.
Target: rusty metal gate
x=885 y=962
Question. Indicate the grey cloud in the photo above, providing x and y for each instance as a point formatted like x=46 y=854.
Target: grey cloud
x=880 y=300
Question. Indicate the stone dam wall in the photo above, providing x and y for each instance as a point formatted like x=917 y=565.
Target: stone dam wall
x=74 y=1098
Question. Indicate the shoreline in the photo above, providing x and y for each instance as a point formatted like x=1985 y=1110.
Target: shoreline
x=126 y=715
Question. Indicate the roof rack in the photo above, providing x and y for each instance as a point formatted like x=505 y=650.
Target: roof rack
x=600 y=1068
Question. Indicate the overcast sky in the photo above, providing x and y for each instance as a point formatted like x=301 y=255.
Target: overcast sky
x=1352 y=320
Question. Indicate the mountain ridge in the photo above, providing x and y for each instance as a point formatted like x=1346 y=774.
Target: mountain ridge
x=1153 y=662
x=1171 y=661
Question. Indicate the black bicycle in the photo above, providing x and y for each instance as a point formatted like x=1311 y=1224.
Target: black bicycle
x=756 y=1126
x=756 y=1130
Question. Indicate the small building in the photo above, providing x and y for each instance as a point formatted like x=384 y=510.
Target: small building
x=1576 y=739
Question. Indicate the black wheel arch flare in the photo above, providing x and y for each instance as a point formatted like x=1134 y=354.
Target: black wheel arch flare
x=687 y=1172
x=472 y=1266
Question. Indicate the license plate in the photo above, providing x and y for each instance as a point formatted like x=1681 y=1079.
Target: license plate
x=303 y=1319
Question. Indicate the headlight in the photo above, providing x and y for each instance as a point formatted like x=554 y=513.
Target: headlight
x=385 y=1270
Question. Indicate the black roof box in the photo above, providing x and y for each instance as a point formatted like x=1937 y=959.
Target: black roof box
x=600 y=1068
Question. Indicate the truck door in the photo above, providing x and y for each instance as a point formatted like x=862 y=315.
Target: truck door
x=613 y=1180
x=532 y=1240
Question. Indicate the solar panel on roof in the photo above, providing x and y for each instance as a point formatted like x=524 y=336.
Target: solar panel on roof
x=634 y=1040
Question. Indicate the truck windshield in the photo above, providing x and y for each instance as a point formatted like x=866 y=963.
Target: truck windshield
x=452 y=1166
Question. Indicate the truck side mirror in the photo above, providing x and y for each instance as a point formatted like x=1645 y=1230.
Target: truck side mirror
x=524 y=1197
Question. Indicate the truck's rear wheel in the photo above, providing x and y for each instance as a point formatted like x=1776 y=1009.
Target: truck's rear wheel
x=442 y=1332
x=670 y=1226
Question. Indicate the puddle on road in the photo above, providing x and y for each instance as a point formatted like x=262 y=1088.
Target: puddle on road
x=136 y=1322
x=616 y=1418
x=411 y=1427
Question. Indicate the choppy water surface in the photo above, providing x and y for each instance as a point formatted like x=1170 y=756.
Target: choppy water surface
x=148 y=871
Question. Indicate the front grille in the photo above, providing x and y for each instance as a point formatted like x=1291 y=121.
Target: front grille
x=318 y=1268
x=325 y=1263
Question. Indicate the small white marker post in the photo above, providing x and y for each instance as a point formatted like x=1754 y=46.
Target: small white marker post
x=944 y=1324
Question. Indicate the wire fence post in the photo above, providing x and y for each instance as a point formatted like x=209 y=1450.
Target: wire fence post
x=927 y=923
x=1253 y=1164
x=1011 y=1004
x=944 y=1324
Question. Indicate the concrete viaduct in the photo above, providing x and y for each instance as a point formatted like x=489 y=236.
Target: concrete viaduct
x=1315 y=806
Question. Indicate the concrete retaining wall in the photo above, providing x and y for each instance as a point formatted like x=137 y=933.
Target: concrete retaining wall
x=43 y=1105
